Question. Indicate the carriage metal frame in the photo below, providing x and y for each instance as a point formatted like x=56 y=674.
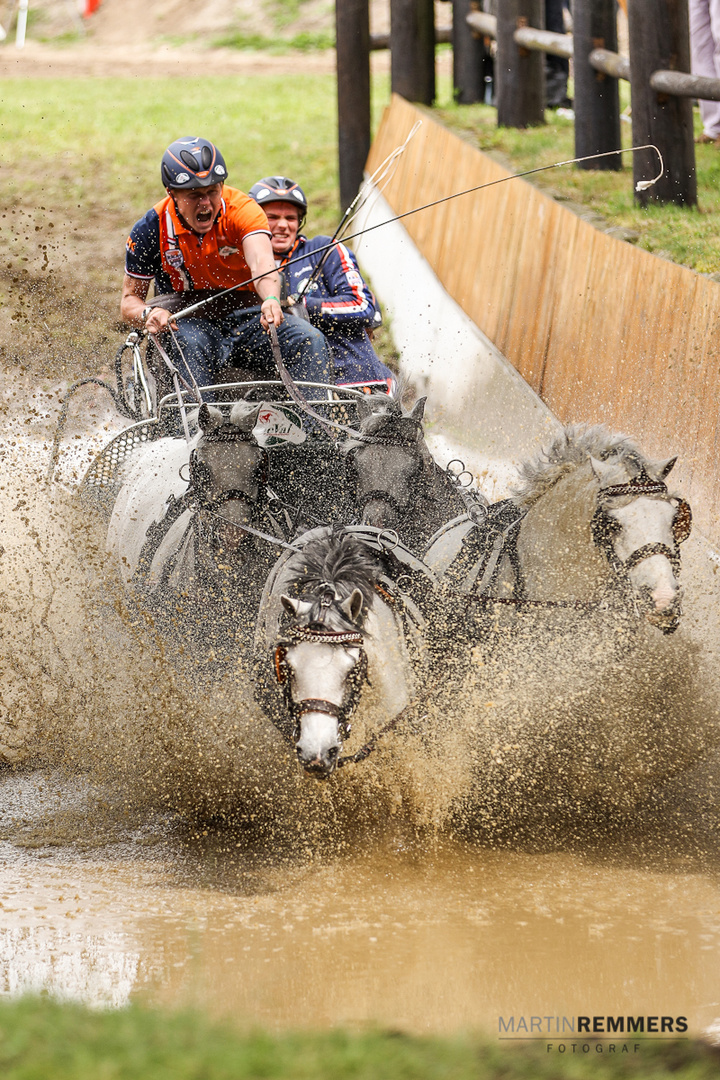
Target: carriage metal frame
x=135 y=398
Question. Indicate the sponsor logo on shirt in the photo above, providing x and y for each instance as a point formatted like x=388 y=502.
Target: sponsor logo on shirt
x=225 y=251
x=174 y=257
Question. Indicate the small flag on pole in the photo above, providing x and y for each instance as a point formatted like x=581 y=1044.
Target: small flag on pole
x=90 y=7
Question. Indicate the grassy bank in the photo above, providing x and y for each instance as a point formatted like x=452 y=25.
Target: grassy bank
x=687 y=236
x=42 y=1040
x=95 y=146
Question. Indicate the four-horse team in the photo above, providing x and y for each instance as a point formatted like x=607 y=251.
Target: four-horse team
x=277 y=462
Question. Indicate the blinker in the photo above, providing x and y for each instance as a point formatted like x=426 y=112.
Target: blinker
x=682 y=522
x=280 y=666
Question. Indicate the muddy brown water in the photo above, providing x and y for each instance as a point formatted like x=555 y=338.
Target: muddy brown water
x=161 y=851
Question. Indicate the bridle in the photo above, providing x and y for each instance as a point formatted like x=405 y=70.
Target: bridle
x=354 y=680
x=353 y=683
x=207 y=503
x=603 y=527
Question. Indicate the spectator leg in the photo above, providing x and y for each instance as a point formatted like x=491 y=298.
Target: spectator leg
x=705 y=56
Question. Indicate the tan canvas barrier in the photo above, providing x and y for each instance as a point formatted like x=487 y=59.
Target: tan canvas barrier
x=602 y=331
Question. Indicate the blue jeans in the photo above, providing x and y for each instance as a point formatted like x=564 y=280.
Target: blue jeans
x=238 y=340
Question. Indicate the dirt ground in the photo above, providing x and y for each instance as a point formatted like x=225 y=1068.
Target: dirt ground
x=172 y=37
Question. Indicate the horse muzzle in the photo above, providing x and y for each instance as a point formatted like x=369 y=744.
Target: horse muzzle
x=322 y=766
x=661 y=612
x=666 y=621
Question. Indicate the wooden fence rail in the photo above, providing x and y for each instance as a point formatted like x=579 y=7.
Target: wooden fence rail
x=597 y=127
x=657 y=69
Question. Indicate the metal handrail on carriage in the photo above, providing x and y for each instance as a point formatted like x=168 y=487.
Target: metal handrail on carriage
x=133 y=399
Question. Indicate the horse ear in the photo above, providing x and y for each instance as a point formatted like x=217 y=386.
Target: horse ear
x=203 y=417
x=604 y=471
x=658 y=470
x=353 y=605
x=291 y=606
x=208 y=418
x=244 y=414
x=295 y=607
x=418 y=409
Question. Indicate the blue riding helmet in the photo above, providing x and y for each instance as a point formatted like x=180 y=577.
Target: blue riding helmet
x=192 y=162
x=280 y=189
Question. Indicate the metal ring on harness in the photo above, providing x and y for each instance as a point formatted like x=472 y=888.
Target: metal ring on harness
x=388 y=544
x=462 y=471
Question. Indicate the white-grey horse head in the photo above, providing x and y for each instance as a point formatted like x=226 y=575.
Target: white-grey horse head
x=396 y=482
x=320 y=658
x=591 y=477
x=228 y=471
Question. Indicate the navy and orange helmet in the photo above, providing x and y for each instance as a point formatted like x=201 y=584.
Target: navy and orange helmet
x=192 y=162
x=279 y=189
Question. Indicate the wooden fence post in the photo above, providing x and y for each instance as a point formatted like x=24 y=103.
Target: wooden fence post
x=412 y=48
x=519 y=73
x=468 y=74
x=352 y=28
x=597 y=97
x=660 y=39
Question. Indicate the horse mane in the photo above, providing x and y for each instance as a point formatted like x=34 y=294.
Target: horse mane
x=338 y=560
x=571 y=449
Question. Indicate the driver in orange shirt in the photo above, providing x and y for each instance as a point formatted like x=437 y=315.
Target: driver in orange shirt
x=204 y=237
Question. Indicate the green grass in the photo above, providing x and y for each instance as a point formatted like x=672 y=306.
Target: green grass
x=687 y=236
x=303 y=42
x=43 y=1040
x=99 y=151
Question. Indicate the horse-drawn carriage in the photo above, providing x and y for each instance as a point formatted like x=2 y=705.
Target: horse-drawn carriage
x=309 y=532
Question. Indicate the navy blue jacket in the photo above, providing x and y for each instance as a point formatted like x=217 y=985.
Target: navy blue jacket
x=341 y=305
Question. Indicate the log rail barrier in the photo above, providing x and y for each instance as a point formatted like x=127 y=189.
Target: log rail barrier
x=657 y=68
